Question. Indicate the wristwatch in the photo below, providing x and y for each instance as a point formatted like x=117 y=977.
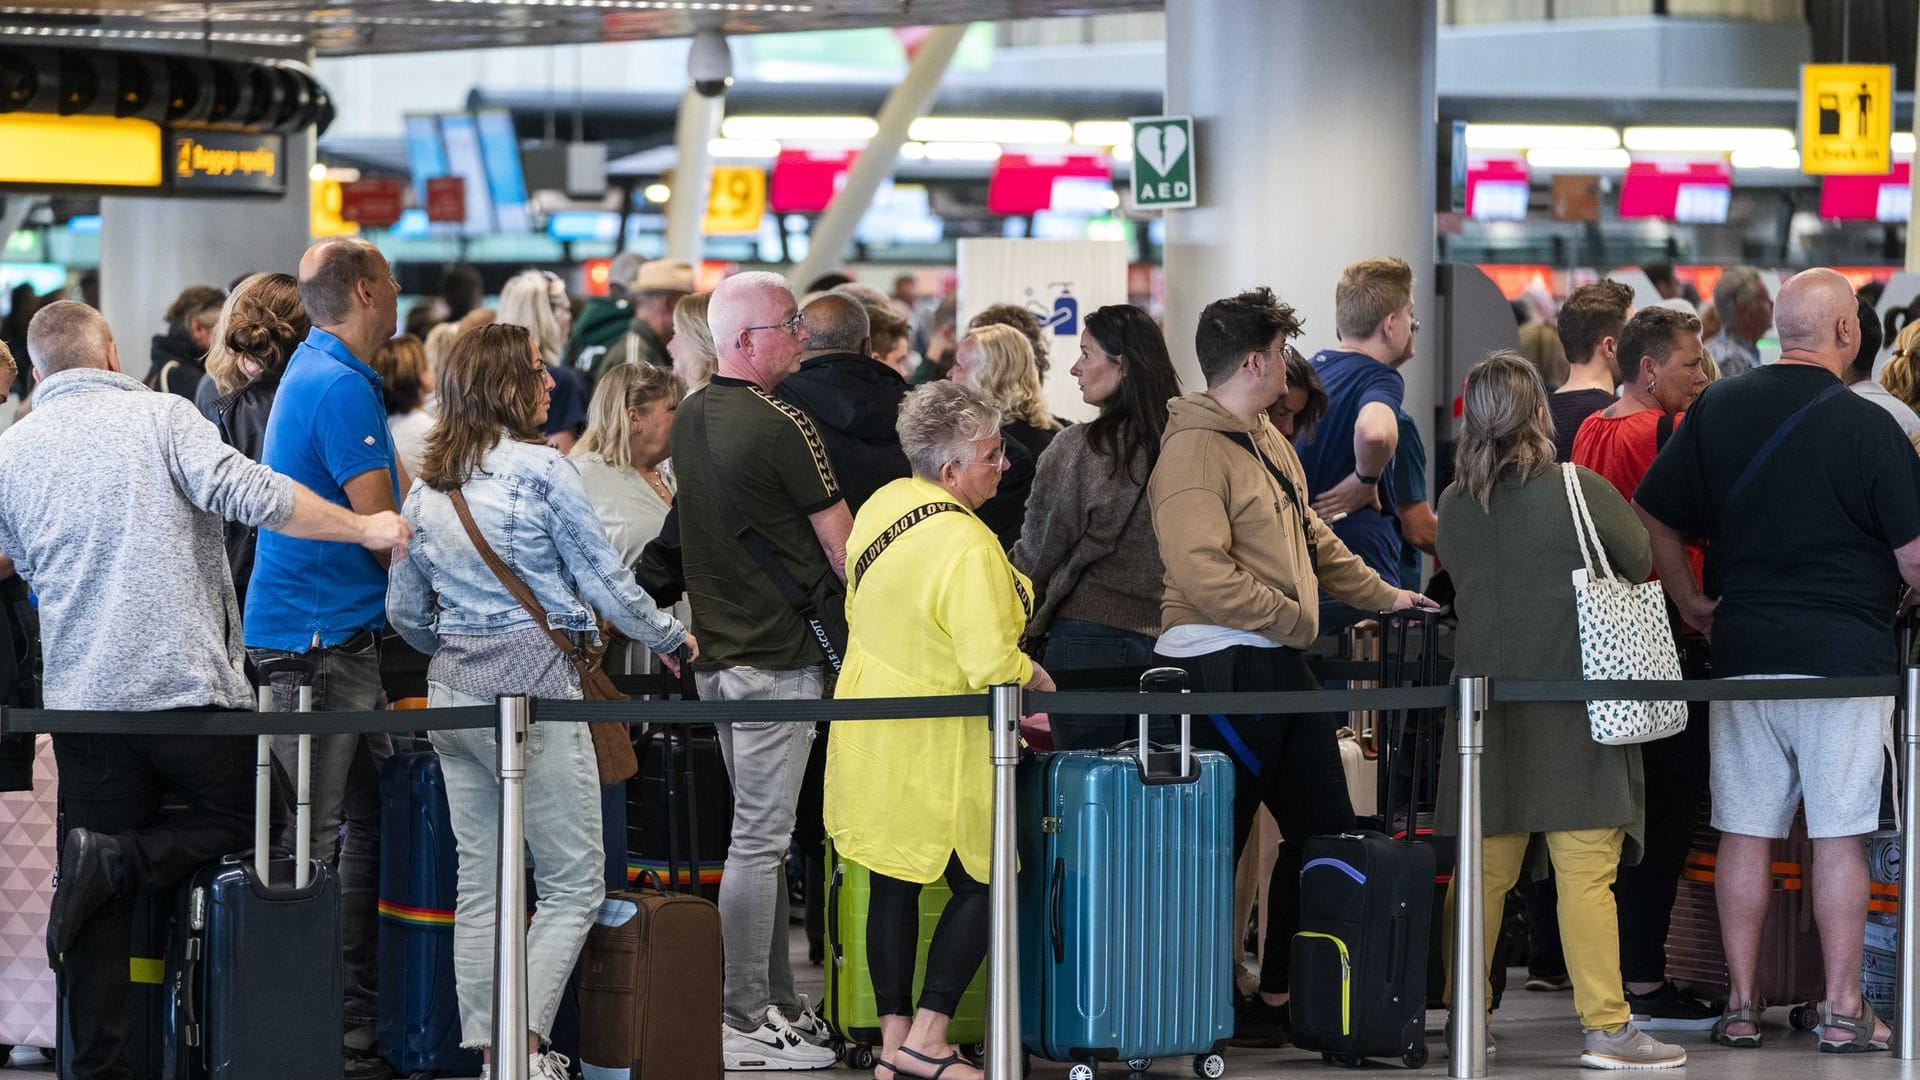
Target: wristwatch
x=1365 y=479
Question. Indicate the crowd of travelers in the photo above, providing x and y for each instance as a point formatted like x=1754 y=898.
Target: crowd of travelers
x=714 y=475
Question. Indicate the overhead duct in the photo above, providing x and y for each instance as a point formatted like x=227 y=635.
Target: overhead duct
x=275 y=96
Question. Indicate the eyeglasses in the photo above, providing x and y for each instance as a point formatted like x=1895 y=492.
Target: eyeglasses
x=791 y=326
x=998 y=460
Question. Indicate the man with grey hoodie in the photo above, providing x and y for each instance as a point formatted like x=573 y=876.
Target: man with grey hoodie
x=112 y=499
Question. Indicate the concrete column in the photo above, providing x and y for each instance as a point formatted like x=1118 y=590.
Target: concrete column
x=697 y=125
x=150 y=249
x=1314 y=135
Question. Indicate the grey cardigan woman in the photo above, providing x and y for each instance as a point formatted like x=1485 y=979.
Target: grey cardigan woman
x=1507 y=535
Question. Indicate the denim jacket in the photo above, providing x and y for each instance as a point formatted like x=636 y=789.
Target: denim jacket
x=533 y=510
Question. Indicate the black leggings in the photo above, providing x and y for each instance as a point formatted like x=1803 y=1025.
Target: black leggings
x=893 y=938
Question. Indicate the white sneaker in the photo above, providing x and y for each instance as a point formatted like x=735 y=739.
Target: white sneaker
x=807 y=1025
x=771 y=1047
x=1630 y=1048
x=547 y=1066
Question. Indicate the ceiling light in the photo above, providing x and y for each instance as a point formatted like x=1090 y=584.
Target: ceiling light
x=1707 y=140
x=1575 y=158
x=1103 y=133
x=1903 y=143
x=748 y=149
x=800 y=128
x=913 y=151
x=968 y=129
x=1540 y=137
x=1767 y=159
x=962 y=151
x=317 y=173
x=657 y=193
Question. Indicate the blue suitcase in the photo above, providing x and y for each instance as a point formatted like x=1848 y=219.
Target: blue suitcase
x=419 y=1028
x=256 y=968
x=1126 y=902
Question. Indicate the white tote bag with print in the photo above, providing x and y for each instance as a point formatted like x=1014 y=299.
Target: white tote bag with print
x=1624 y=634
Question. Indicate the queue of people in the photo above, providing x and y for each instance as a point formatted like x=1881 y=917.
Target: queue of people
x=766 y=457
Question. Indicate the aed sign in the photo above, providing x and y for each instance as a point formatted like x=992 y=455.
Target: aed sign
x=1846 y=119
x=226 y=162
x=1163 y=173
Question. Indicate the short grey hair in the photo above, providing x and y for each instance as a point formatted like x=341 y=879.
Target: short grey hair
x=862 y=292
x=1736 y=284
x=344 y=262
x=731 y=309
x=839 y=322
x=936 y=423
x=67 y=334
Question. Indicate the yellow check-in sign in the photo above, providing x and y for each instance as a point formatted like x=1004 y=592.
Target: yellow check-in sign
x=1846 y=119
x=736 y=200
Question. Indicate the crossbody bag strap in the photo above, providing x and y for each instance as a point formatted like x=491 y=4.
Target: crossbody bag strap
x=1245 y=442
x=899 y=528
x=515 y=585
x=1780 y=434
x=1662 y=431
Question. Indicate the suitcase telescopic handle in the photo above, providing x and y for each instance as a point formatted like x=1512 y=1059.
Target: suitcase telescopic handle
x=303 y=670
x=1169 y=680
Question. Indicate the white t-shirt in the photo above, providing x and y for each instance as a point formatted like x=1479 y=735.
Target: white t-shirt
x=410 y=438
x=1908 y=420
x=1194 y=639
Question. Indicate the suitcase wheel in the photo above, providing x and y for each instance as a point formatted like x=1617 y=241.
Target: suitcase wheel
x=1084 y=1070
x=1211 y=1066
x=1804 y=1017
x=1415 y=1056
x=1139 y=1065
x=859 y=1056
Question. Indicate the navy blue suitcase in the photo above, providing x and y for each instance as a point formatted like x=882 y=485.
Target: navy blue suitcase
x=255 y=968
x=1359 y=962
x=1126 y=902
x=419 y=1029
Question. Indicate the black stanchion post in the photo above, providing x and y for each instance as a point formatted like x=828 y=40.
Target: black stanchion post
x=510 y=893
x=1005 y=1057
x=1906 y=1027
x=1467 y=1056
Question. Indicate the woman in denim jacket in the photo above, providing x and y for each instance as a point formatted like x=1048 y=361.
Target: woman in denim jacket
x=530 y=506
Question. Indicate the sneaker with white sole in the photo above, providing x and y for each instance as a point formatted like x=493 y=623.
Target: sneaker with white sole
x=807 y=1025
x=771 y=1047
x=1630 y=1048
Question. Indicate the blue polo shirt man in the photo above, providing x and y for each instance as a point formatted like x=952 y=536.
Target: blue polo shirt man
x=327 y=602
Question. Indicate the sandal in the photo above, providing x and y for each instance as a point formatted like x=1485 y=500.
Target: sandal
x=1745 y=1014
x=1859 y=1030
x=941 y=1065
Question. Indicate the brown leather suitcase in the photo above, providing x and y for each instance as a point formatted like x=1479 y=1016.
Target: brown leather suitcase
x=650 y=987
x=1790 y=970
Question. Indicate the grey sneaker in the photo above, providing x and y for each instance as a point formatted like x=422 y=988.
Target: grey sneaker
x=1629 y=1048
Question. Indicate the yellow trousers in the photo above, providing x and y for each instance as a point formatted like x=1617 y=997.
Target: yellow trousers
x=1585 y=862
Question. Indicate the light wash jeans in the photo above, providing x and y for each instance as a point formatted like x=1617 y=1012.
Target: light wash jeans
x=564 y=840
x=766 y=762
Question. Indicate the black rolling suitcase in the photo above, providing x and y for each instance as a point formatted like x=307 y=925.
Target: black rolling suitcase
x=255 y=967
x=1359 y=963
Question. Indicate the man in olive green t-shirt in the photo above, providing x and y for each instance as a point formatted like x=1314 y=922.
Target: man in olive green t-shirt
x=734 y=440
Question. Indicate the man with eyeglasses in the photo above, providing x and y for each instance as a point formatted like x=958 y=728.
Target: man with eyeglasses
x=763 y=531
x=1349 y=456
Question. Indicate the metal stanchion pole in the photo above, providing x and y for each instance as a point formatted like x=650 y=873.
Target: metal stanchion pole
x=1467 y=1056
x=510 y=892
x=1005 y=1055
x=1906 y=1025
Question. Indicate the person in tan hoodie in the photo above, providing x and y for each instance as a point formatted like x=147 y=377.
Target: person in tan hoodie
x=1245 y=559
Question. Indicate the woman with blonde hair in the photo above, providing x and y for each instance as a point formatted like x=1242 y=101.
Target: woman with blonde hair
x=996 y=362
x=538 y=301
x=694 y=357
x=488 y=478
x=1901 y=376
x=406 y=386
x=1507 y=533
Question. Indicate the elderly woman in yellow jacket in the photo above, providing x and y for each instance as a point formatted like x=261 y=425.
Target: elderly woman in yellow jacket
x=933 y=607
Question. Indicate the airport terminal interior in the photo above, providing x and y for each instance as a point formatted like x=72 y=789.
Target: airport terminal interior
x=1060 y=207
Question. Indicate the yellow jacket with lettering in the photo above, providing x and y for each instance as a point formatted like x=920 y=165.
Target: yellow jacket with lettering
x=940 y=612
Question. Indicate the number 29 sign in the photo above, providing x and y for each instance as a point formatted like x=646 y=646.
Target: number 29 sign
x=736 y=200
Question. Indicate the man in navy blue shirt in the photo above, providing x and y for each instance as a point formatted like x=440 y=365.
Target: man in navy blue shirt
x=327 y=601
x=1349 y=453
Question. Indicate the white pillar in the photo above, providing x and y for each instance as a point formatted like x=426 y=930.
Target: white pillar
x=1314 y=140
x=150 y=249
x=698 y=124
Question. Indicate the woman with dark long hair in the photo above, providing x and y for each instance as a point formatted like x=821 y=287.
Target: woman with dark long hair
x=526 y=502
x=1088 y=540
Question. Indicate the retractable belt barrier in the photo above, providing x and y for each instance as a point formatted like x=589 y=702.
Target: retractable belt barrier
x=1468 y=698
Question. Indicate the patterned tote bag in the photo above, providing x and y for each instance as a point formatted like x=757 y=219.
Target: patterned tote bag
x=1624 y=634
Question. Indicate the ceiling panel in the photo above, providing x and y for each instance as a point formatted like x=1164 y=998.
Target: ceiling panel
x=374 y=26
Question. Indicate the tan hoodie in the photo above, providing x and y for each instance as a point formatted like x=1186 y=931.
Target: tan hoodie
x=1231 y=538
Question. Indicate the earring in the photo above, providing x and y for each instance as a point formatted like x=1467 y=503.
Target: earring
x=1651 y=382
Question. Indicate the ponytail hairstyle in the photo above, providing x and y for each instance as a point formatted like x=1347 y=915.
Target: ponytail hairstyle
x=260 y=325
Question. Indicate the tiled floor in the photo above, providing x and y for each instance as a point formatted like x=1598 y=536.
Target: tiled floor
x=1536 y=1034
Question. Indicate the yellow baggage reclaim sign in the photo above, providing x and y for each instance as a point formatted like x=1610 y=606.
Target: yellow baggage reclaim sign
x=736 y=201
x=1846 y=119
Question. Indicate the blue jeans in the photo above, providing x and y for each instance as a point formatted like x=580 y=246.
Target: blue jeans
x=1076 y=645
x=564 y=837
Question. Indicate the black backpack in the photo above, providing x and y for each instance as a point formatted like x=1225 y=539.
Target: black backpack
x=20 y=678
